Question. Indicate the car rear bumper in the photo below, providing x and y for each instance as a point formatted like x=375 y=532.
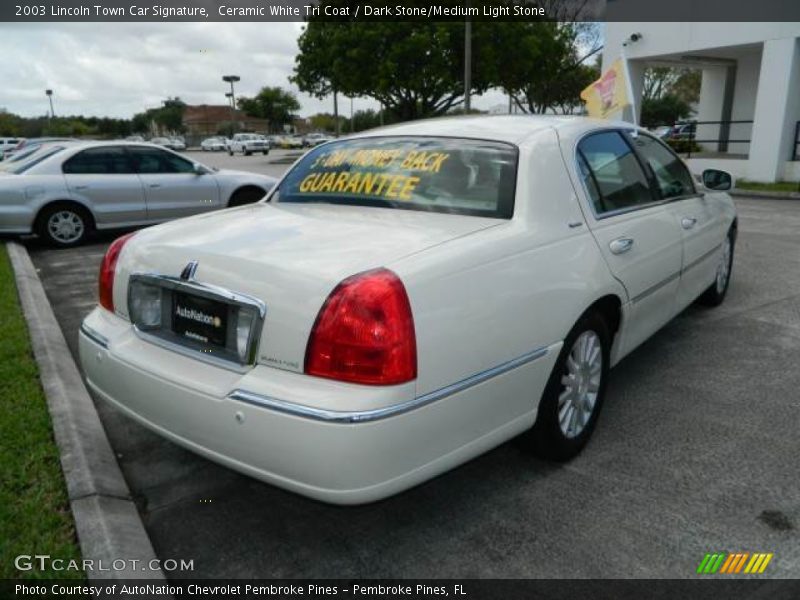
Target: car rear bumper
x=314 y=453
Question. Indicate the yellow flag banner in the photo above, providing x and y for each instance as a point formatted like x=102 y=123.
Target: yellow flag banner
x=609 y=94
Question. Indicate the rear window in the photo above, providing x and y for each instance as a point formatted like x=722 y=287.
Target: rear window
x=448 y=175
x=36 y=158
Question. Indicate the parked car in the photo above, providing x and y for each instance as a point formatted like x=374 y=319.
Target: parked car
x=69 y=189
x=662 y=132
x=31 y=152
x=8 y=144
x=213 y=144
x=682 y=131
x=134 y=138
x=408 y=298
x=247 y=143
x=315 y=139
x=26 y=144
x=170 y=143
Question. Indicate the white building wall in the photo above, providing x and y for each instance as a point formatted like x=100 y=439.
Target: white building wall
x=771 y=98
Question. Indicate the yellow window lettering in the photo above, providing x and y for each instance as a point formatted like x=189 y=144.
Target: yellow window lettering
x=352 y=185
x=392 y=190
x=436 y=165
x=409 y=160
x=408 y=188
x=307 y=183
x=326 y=182
x=341 y=182
x=367 y=183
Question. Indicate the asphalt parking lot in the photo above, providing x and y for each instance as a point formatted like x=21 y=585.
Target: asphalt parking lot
x=696 y=451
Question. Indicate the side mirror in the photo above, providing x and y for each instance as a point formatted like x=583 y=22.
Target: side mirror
x=201 y=169
x=716 y=180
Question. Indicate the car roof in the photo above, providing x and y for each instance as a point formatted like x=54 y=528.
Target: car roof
x=512 y=129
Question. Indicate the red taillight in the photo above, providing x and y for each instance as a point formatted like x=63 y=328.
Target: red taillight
x=364 y=332
x=107 y=270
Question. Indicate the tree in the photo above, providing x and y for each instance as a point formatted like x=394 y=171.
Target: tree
x=682 y=83
x=665 y=110
x=413 y=68
x=275 y=104
x=551 y=64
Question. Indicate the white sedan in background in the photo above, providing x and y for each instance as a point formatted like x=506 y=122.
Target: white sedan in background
x=65 y=190
x=213 y=144
x=407 y=299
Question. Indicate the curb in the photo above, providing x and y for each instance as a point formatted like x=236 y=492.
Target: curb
x=106 y=519
x=765 y=194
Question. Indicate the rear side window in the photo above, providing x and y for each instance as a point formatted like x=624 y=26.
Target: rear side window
x=673 y=177
x=616 y=172
x=447 y=175
x=153 y=160
x=98 y=161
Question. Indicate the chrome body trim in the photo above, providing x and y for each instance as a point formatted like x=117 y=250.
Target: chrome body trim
x=203 y=289
x=700 y=259
x=93 y=335
x=654 y=288
x=208 y=291
x=361 y=416
x=192 y=353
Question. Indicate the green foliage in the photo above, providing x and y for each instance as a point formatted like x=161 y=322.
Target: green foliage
x=684 y=146
x=34 y=509
x=168 y=118
x=413 y=68
x=324 y=122
x=681 y=83
x=666 y=110
x=547 y=72
x=275 y=104
x=70 y=126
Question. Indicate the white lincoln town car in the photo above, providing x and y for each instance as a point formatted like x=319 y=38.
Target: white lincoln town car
x=408 y=298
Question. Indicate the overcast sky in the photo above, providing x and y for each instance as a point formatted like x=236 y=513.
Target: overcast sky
x=119 y=69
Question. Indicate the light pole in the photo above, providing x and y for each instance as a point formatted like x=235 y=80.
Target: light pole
x=50 y=97
x=467 y=63
x=232 y=79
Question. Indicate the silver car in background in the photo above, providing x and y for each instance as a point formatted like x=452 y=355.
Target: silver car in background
x=67 y=190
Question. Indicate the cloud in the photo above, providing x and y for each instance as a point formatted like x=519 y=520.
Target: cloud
x=119 y=69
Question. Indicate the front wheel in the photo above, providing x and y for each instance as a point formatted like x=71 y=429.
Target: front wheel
x=716 y=292
x=574 y=394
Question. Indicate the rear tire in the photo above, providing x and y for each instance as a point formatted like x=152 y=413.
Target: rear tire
x=64 y=224
x=247 y=195
x=716 y=292
x=574 y=393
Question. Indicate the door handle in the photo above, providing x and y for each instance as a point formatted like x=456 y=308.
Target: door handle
x=688 y=222
x=620 y=246
x=155 y=185
x=81 y=187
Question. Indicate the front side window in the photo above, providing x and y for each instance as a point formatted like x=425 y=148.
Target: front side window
x=617 y=173
x=459 y=176
x=152 y=160
x=98 y=161
x=673 y=177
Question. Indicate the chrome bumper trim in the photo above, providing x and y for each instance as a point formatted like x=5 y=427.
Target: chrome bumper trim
x=361 y=416
x=97 y=338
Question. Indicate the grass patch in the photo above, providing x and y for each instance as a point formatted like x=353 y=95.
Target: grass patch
x=34 y=509
x=780 y=186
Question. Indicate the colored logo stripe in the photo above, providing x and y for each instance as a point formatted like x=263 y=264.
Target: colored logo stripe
x=734 y=563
